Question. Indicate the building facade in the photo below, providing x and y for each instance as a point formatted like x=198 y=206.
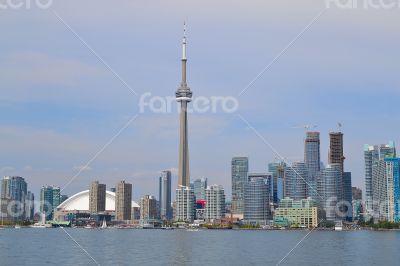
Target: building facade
x=296 y=181
x=277 y=169
x=257 y=209
x=97 y=198
x=239 y=171
x=148 y=210
x=199 y=188
x=123 y=201
x=300 y=213
x=165 y=195
x=13 y=196
x=50 y=198
x=215 y=203
x=185 y=205
x=312 y=159
x=328 y=188
x=372 y=155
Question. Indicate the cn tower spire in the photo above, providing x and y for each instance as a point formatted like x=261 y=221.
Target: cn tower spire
x=184 y=96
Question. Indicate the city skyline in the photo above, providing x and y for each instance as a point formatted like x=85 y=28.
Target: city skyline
x=38 y=121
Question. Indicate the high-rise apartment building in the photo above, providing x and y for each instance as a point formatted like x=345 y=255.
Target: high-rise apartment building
x=13 y=191
x=215 y=203
x=336 y=155
x=199 y=188
x=328 y=187
x=277 y=169
x=372 y=155
x=185 y=205
x=123 y=201
x=148 y=210
x=239 y=170
x=165 y=195
x=312 y=160
x=347 y=196
x=29 y=206
x=50 y=198
x=257 y=209
x=97 y=197
x=296 y=186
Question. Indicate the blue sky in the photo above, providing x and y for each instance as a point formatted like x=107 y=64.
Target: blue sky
x=59 y=104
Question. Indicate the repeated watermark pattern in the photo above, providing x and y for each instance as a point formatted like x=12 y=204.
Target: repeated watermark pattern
x=200 y=104
x=363 y=4
x=25 y=4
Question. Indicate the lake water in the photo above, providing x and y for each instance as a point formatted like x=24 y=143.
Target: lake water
x=212 y=247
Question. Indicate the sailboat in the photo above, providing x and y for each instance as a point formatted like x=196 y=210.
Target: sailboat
x=104 y=224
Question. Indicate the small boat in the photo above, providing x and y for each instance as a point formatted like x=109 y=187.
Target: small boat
x=192 y=229
x=339 y=226
x=88 y=226
x=17 y=226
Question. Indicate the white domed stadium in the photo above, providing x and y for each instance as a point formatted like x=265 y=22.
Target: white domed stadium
x=79 y=203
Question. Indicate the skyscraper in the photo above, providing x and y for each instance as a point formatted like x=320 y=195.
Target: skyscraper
x=239 y=169
x=184 y=96
x=328 y=189
x=29 y=206
x=312 y=161
x=185 y=204
x=123 y=201
x=199 y=188
x=277 y=170
x=165 y=195
x=347 y=196
x=97 y=197
x=148 y=210
x=50 y=198
x=215 y=202
x=257 y=197
x=372 y=155
x=336 y=155
x=296 y=181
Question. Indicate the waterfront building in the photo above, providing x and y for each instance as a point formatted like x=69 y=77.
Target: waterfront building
x=215 y=203
x=97 y=199
x=357 y=209
x=184 y=96
x=277 y=169
x=165 y=195
x=13 y=191
x=239 y=171
x=296 y=181
x=297 y=213
x=199 y=188
x=312 y=160
x=148 y=210
x=78 y=205
x=347 y=197
x=386 y=190
x=50 y=198
x=372 y=155
x=123 y=201
x=29 y=206
x=328 y=188
x=257 y=195
x=336 y=155
x=185 y=205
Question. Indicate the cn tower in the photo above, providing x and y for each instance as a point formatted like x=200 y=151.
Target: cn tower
x=184 y=96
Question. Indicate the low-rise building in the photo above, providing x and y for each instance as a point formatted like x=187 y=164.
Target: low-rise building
x=296 y=213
